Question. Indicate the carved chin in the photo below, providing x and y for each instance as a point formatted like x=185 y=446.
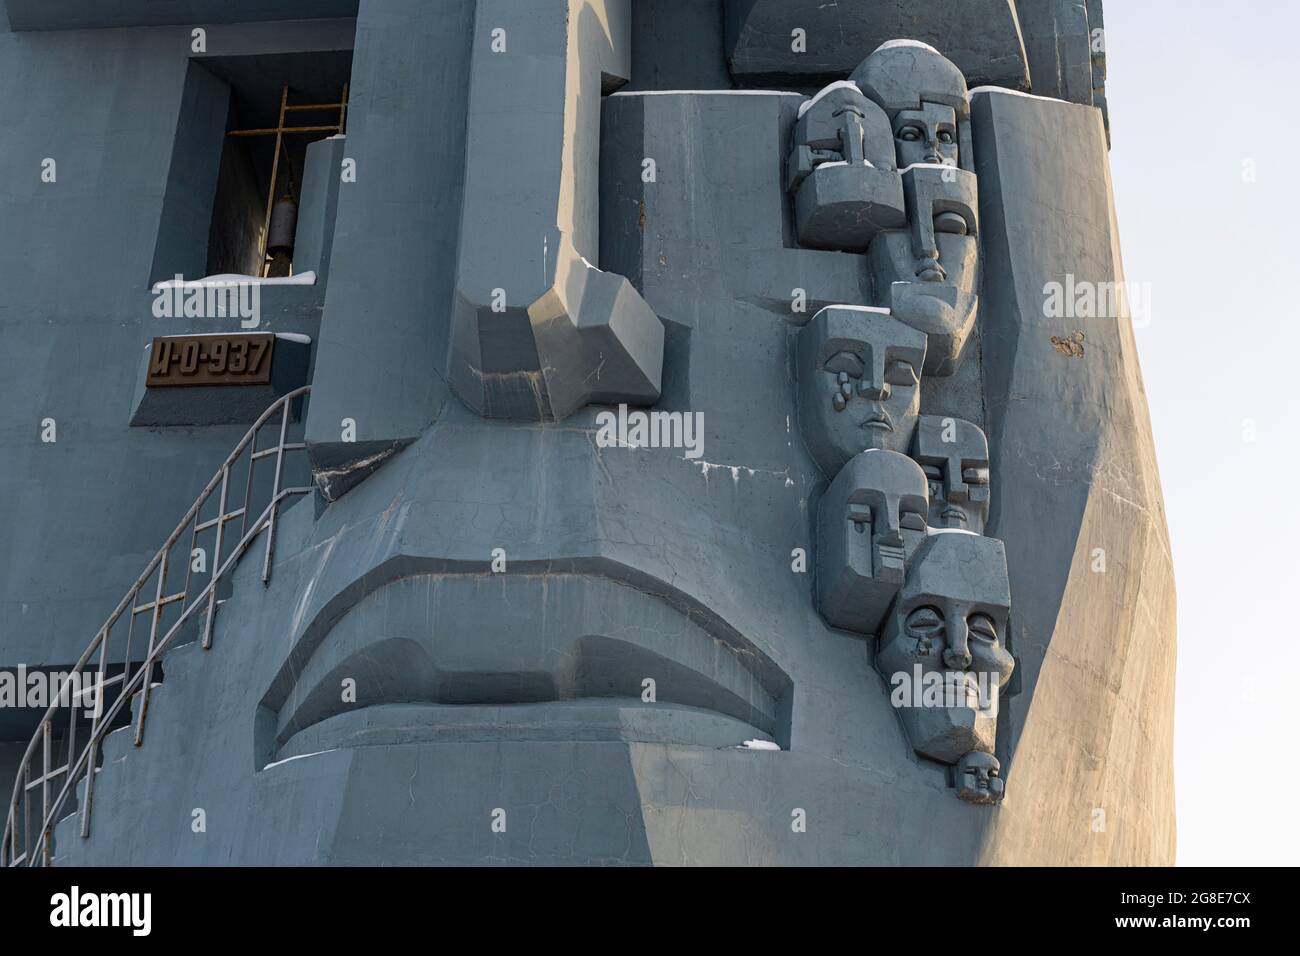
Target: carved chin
x=926 y=313
x=946 y=734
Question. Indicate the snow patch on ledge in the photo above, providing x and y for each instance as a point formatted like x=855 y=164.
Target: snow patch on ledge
x=915 y=44
x=837 y=85
x=842 y=162
x=759 y=745
x=708 y=466
x=1003 y=89
x=287 y=336
x=299 y=757
x=880 y=310
x=230 y=278
x=705 y=93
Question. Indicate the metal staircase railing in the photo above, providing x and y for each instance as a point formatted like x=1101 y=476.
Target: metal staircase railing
x=20 y=843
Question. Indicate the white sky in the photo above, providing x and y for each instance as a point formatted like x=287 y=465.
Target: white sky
x=1197 y=88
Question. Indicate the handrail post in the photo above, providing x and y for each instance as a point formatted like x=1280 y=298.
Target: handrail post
x=275 y=495
x=94 y=732
x=46 y=734
x=155 y=618
x=206 y=641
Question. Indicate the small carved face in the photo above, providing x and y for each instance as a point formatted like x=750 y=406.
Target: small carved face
x=955 y=456
x=927 y=135
x=979 y=778
x=859 y=372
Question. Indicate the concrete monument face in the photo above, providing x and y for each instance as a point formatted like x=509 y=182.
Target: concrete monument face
x=926 y=136
x=859 y=371
x=978 y=778
x=947 y=633
x=869 y=523
x=841 y=171
x=906 y=75
x=928 y=274
x=955 y=456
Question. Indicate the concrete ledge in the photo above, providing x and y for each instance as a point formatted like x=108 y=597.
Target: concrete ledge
x=87 y=14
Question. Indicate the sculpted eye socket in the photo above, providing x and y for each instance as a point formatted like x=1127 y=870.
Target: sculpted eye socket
x=910 y=134
x=975 y=476
x=845 y=362
x=860 y=515
x=982 y=627
x=952 y=223
x=924 y=622
x=945 y=137
x=900 y=373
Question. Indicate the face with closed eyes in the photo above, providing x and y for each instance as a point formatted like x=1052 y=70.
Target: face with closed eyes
x=979 y=778
x=870 y=521
x=928 y=274
x=949 y=622
x=954 y=454
x=927 y=135
x=941 y=634
x=859 y=372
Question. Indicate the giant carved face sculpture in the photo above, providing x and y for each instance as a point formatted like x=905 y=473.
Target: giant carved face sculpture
x=946 y=633
x=870 y=521
x=955 y=456
x=859 y=371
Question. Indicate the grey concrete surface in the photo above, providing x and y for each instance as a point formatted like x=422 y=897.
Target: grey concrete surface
x=492 y=637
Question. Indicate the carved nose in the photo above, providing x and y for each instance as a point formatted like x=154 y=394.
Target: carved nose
x=887 y=529
x=929 y=270
x=956 y=651
x=958 y=660
x=879 y=393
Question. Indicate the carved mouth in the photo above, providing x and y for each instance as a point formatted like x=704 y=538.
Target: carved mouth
x=515 y=670
x=953 y=513
x=892 y=551
x=879 y=420
x=929 y=270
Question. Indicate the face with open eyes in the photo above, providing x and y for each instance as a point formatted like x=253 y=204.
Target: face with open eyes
x=954 y=454
x=927 y=135
x=859 y=372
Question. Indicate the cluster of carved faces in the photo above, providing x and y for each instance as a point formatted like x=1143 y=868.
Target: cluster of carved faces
x=901 y=551
x=876 y=167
